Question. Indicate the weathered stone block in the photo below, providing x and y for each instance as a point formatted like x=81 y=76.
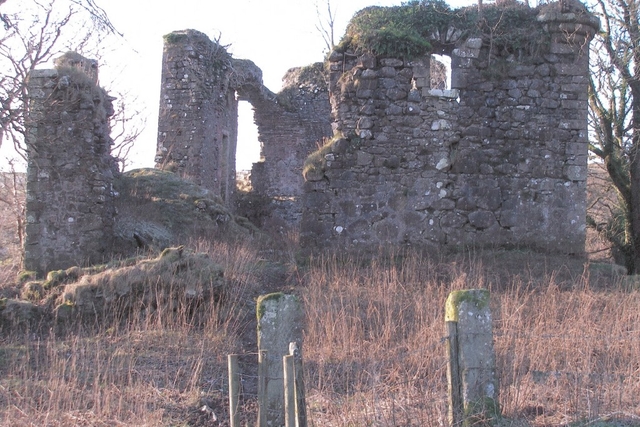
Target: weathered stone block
x=367 y=61
x=466 y=52
x=391 y=62
x=421 y=71
x=576 y=173
x=482 y=219
x=561 y=48
x=396 y=94
x=453 y=220
x=279 y=323
x=369 y=74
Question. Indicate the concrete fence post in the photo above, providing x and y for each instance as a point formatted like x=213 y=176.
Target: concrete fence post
x=279 y=323
x=473 y=389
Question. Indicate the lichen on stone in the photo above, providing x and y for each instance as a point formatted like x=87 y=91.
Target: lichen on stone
x=479 y=298
x=263 y=299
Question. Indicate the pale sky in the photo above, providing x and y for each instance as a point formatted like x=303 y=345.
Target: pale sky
x=275 y=34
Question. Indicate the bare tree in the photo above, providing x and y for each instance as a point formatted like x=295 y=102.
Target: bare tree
x=36 y=32
x=126 y=125
x=326 y=25
x=98 y=15
x=614 y=98
x=12 y=196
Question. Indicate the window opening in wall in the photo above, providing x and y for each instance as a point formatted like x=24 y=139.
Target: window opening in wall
x=440 y=69
x=248 y=149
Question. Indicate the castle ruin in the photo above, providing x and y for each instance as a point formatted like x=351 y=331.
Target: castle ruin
x=497 y=159
x=198 y=121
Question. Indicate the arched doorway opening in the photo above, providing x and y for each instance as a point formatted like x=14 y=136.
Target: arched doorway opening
x=248 y=148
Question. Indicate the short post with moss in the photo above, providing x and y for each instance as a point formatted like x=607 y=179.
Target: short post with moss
x=279 y=324
x=473 y=391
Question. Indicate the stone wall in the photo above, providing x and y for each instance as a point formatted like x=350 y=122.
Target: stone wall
x=197 y=124
x=70 y=210
x=198 y=120
x=500 y=159
x=290 y=128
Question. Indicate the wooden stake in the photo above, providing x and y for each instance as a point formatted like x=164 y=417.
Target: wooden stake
x=234 y=389
x=263 y=371
x=289 y=391
x=301 y=405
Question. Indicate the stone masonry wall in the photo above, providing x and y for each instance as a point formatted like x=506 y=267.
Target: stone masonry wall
x=198 y=118
x=70 y=211
x=500 y=159
x=290 y=128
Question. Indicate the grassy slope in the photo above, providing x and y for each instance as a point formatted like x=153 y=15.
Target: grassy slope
x=564 y=338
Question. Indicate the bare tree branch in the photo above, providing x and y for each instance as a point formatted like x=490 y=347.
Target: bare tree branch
x=37 y=32
x=126 y=127
x=326 y=25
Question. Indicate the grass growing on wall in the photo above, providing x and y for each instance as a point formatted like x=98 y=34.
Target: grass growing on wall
x=397 y=31
x=411 y=30
x=315 y=164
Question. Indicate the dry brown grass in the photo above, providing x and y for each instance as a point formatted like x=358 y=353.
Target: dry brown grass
x=148 y=371
x=566 y=340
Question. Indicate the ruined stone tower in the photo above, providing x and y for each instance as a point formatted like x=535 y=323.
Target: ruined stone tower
x=198 y=122
x=70 y=211
x=197 y=125
x=500 y=159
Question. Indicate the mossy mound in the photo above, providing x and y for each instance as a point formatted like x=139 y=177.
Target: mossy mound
x=158 y=209
x=173 y=282
x=396 y=31
x=177 y=282
x=16 y=313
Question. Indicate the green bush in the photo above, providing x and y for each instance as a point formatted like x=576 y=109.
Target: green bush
x=397 y=30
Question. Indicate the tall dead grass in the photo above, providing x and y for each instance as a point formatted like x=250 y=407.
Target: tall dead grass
x=568 y=355
x=375 y=351
x=372 y=341
x=150 y=371
x=566 y=342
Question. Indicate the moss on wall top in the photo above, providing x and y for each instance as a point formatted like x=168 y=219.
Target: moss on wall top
x=275 y=296
x=396 y=30
x=420 y=27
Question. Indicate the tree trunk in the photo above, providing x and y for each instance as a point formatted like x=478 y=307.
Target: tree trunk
x=634 y=176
